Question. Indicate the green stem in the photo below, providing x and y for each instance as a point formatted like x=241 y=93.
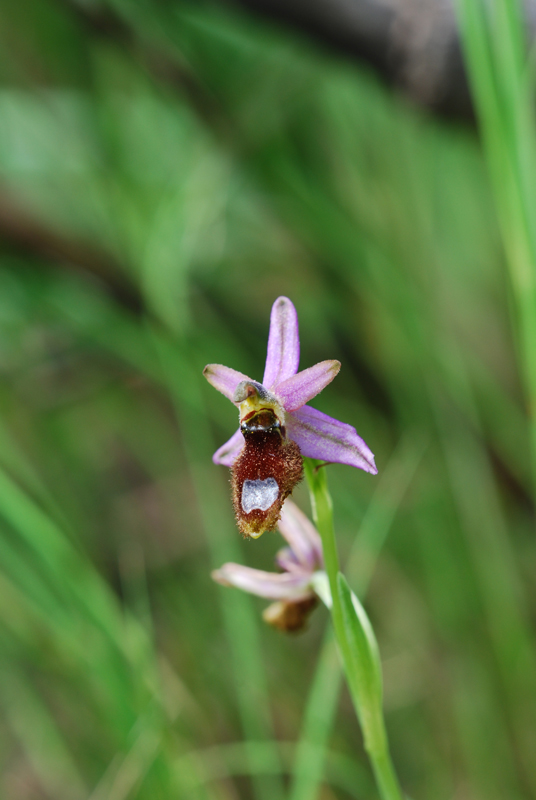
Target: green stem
x=374 y=734
x=325 y=690
x=385 y=774
x=323 y=516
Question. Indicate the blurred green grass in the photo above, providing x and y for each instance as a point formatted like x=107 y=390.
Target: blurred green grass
x=212 y=163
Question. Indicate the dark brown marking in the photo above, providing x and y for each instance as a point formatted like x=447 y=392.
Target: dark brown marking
x=289 y=616
x=267 y=453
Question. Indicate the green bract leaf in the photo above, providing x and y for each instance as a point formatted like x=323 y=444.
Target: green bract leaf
x=363 y=666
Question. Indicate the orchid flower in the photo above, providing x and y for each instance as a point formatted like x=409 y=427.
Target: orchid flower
x=277 y=426
x=317 y=435
x=296 y=588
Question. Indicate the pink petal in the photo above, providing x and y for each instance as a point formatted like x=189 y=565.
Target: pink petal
x=224 y=379
x=283 y=354
x=297 y=390
x=322 y=437
x=228 y=452
x=302 y=536
x=287 y=561
x=264 y=584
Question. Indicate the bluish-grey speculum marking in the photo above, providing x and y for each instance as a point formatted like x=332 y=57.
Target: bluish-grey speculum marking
x=259 y=494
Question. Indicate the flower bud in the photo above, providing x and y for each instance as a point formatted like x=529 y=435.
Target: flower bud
x=290 y=617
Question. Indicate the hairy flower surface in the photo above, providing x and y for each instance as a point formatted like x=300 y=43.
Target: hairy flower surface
x=293 y=588
x=277 y=426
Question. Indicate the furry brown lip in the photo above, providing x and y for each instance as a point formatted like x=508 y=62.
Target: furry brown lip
x=264 y=474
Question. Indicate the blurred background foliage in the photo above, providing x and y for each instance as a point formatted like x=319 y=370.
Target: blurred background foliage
x=167 y=169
